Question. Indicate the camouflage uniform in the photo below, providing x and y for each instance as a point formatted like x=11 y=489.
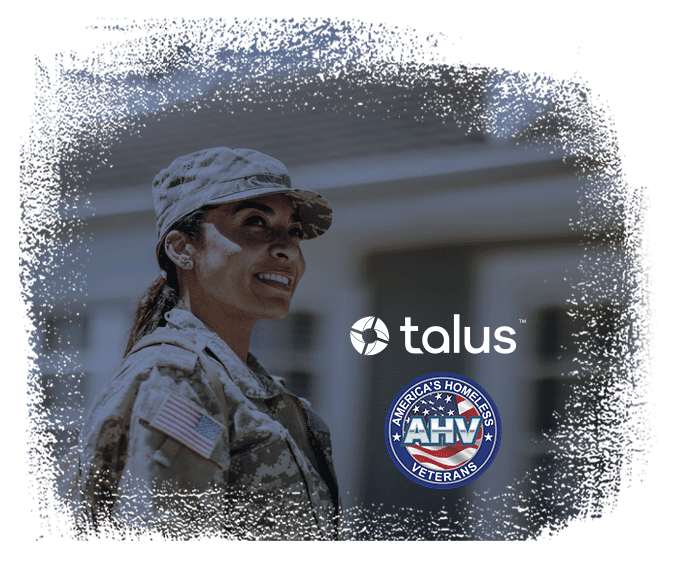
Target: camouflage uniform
x=269 y=475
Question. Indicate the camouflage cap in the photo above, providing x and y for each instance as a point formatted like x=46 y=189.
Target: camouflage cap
x=221 y=175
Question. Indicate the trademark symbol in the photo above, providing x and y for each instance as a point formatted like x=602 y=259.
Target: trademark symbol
x=522 y=320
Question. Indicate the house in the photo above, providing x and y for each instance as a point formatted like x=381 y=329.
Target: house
x=451 y=198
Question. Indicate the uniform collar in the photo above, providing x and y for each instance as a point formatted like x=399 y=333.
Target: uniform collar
x=254 y=380
x=187 y=321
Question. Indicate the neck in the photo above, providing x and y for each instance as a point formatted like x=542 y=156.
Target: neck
x=234 y=330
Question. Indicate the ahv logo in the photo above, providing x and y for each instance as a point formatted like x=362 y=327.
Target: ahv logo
x=369 y=335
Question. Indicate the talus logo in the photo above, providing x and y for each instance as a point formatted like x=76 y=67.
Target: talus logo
x=369 y=335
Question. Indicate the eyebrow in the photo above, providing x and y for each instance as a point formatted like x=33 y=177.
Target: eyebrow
x=263 y=208
x=248 y=204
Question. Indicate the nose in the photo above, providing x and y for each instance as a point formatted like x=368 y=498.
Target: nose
x=286 y=247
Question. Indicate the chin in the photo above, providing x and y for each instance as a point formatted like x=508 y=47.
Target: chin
x=274 y=313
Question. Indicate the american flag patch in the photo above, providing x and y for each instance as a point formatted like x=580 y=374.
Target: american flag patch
x=187 y=423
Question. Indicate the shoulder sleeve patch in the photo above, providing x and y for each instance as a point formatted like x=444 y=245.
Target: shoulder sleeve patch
x=187 y=423
x=177 y=358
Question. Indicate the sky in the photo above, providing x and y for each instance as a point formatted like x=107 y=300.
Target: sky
x=636 y=60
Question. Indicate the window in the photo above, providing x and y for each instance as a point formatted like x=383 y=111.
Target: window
x=549 y=403
x=64 y=331
x=553 y=328
x=63 y=392
x=302 y=330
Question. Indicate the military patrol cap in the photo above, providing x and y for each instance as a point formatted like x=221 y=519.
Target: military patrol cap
x=221 y=175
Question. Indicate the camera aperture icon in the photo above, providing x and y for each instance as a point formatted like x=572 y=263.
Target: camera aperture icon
x=369 y=335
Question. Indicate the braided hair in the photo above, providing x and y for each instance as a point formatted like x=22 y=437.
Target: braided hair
x=163 y=294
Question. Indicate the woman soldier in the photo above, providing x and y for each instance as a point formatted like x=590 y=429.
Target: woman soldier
x=193 y=436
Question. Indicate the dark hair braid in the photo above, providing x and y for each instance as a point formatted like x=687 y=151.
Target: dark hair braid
x=163 y=294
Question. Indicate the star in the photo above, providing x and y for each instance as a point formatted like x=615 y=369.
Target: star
x=416 y=409
x=448 y=399
x=441 y=407
x=397 y=437
x=451 y=412
x=425 y=412
x=488 y=437
x=438 y=396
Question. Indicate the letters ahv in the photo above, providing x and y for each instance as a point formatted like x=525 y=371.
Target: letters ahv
x=441 y=434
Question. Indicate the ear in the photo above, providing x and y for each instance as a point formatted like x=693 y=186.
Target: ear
x=178 y=249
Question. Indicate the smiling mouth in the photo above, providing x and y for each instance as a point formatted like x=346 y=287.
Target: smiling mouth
x=275 y=280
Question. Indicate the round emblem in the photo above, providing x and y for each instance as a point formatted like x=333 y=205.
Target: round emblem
x=442 y=430
x=369 y=335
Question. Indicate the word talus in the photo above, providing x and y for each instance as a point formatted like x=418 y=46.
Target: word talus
x=454 y=344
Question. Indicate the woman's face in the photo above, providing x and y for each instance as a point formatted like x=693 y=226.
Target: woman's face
x=248 y=262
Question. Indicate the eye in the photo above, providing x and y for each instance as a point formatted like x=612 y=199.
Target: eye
x=297 y=232
x=255 y=221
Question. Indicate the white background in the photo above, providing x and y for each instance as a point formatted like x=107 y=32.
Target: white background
x=640 y=61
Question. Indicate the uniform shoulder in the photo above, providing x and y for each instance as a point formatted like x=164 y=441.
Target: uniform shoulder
x=163 y=360
x=174 y=357
x=168 y=348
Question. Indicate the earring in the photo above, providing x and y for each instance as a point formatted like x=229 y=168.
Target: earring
x=186 y=263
